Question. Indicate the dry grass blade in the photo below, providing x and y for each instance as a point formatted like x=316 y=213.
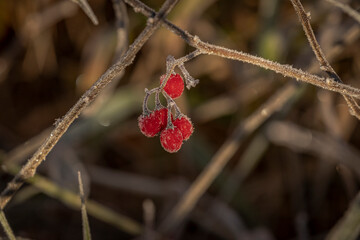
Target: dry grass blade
x=63 y=124
x=84 y=217
x=6 y=226
x=347 y=9
x=72 y=200
x=348 y=228
x=84 y=5
x=223 y=155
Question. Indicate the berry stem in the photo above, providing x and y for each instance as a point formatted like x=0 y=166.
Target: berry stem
x=189 y=80
x=169 y=122
x=146 y=110
x=172 y=103
x=158 y=104
x=171 y=63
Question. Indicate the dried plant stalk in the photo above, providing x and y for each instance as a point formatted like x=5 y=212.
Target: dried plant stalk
x=320 y=56
x=84 y=217
x=6 y=226
x=229 y=147
x=63 y=124
x=286 y=70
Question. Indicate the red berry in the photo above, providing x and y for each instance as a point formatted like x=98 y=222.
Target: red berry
x=162 y=115
x=171 y=139
x=185 y=126
x=150 y=125
x=174 y=86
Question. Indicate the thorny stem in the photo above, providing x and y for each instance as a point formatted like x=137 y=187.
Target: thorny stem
x=320 y=56
x=285 y=70
x=61 y=127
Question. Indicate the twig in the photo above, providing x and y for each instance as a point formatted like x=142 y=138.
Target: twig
x=84 y=217
x=285 y=70
x=347 y=9
x=222 y=156
x=348 y=227
x=320 y=56
x=6 y=226
x=62 y=125
x=84 y=5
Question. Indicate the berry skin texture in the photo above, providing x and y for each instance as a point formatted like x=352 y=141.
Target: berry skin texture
x=162 y=114
x=150 y=125
x=171 y=139
x=185 y=125
x=174 y=86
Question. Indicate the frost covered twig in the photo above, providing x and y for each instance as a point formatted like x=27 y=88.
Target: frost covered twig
x=320 y=56
x=62 y=125
x=285 y=70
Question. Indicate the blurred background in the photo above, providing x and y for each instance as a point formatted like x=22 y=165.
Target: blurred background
x=291 y=177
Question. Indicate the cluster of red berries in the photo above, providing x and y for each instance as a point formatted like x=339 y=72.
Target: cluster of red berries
x=173 y=131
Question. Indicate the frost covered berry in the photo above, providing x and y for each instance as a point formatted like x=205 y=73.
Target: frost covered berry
x=150 y=125
x=174 y=86
x=171 y=139
x=185 y=125
x=161 y=115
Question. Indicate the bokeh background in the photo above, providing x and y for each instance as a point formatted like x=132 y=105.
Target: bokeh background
x=291 y=178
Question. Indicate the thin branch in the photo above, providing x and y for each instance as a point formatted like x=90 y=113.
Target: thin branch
x=84 y=217
x=62 y=125
x=304 y=18
x=347 y=9
x=6 y=226
x=84 y=5
x=286 y=70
